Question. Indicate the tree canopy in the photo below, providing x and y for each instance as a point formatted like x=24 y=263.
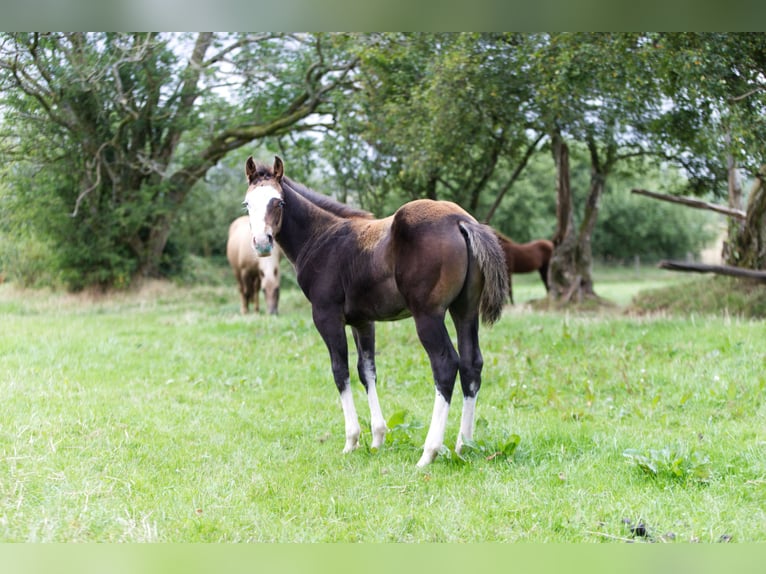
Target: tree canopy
x=105 y=136
x=112 y=131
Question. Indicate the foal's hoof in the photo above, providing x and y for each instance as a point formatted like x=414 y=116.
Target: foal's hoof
x=351 y=445
x=379 y=437
x=427 y=458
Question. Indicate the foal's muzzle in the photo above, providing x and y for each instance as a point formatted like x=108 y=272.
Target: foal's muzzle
x=263 y=245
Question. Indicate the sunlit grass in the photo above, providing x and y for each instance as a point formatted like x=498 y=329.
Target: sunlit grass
x=618 y=284
x=164 y=415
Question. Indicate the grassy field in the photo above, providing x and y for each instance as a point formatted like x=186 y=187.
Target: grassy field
x=164 y=415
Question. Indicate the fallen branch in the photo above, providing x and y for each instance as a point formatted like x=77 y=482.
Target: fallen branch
x=717 y=269
x=691 y=202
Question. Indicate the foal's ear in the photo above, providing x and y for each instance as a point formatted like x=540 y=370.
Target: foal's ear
x=279 y=168
x=250 y=168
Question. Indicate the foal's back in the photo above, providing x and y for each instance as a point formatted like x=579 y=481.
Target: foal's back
x=531 y=256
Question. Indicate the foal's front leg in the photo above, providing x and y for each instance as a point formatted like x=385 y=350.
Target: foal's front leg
x=364 y=337
x=333 y=332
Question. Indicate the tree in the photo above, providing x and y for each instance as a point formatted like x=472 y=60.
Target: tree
x=596 y=89
x=457 y=116
x=717 y=83
x=442 y=116
x=113 y=130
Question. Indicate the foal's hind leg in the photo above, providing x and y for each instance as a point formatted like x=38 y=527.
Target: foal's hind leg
x=364 y=337
x=444 y=365
x=471 y=363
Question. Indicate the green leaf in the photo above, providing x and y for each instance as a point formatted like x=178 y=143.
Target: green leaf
x=396 y=419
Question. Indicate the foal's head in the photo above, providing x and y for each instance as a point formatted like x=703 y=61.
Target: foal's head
x=264 y=201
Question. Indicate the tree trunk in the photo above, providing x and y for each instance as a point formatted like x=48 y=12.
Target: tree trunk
x=154 y=247
x=585 y=259
x=748 y=248
x=562 y=272
x=570 y=273
x=734 y=227
x=735 y=189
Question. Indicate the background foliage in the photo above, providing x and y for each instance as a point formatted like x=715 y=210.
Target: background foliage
x=123 y=153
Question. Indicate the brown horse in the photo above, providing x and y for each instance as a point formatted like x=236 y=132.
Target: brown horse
x=427 y=259
x=253 y=273
x=526 y=257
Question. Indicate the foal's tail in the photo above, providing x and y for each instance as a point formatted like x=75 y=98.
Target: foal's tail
x=485 y=246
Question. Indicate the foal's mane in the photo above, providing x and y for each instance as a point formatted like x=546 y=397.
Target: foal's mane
x=325 y=201
x=322 y=201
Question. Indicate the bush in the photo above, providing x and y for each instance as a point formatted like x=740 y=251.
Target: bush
x=27 y=261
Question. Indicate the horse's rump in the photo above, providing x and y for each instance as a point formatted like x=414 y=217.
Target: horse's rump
x=435 y=247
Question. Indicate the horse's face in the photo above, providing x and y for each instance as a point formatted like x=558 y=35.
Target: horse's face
x=264 y=202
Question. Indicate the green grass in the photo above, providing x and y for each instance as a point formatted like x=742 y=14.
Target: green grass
x=615 y=283
x=163 y=415
x=716 y=295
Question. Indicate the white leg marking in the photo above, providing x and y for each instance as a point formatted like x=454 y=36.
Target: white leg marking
x=353 y=430
x=377 y=422
x=435 y=436
x=466 y=422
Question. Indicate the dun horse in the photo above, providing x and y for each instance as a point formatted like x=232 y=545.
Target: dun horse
x=253 y=273
x=526 y=257
x=427 y=259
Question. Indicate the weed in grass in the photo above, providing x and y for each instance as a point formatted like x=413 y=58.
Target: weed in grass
x=671 y=463
x=403 y=433
x=486 y=450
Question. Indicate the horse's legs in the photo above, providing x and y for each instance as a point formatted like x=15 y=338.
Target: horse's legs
x=255 y=292
x=271 y=296
x=444 y=365
x=333 y=332
x=364 y=337
x=471 y=363
x=243 y=281
x=544 y=275
x=249 y=284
